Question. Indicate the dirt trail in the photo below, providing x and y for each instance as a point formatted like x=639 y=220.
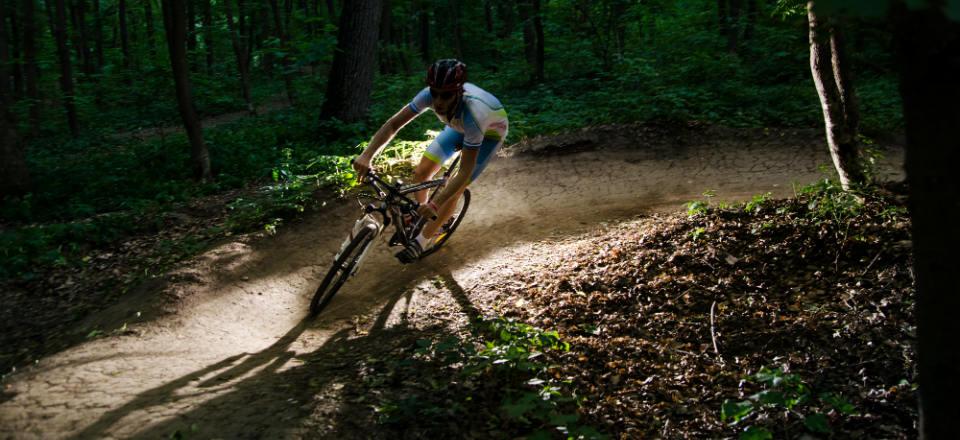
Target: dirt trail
x=228 y=361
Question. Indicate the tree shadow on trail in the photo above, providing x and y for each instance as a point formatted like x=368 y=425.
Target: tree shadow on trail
x=277 y=392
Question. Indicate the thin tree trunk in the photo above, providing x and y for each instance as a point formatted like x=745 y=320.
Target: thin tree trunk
x=16 y=62
x=841 y=140
x=505 y=17
x=240 y=42
x=929 y=60
x=282 y=35
x=457 y=29
x=148 y=17
x=98 y=34
x=208 y=34
x=331 y=11
x=488 y=16
x=723 y=18
x=844 y=78
x=751 y=20
x=66 y=71
x=386 y=39
x=351 y=76
x=124 y=37
x=175 y=25
x=424 y=15
x=30 y=71
x=540 y=60
x=191 y=34
x=733 y=28
x=529 y=36
x=14 y=177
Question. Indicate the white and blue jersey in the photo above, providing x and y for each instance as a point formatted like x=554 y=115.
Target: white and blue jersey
x=480 y=123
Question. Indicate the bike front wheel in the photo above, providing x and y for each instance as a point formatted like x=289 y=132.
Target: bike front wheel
x=451 y=225
x=343 y=267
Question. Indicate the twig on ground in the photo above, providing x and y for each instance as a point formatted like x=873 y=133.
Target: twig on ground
x=871 y=263
x=713 y=331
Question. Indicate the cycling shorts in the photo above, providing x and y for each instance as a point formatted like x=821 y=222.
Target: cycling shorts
x=449 y=141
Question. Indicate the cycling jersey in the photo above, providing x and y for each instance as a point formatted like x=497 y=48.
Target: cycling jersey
x=480 y=115
x=480 y=123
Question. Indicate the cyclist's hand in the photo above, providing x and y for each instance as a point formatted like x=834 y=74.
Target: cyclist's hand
x=361 y=166
x=428 y=211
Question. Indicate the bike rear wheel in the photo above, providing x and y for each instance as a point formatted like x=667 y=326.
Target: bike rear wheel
x=448 y=229
x=343 y=267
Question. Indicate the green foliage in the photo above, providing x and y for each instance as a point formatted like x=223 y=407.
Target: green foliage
x=754 y=205
x=510 y=356
x=828 y=201
x=785 y=394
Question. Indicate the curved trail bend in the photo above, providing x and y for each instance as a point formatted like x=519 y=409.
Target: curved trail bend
x=230 y=361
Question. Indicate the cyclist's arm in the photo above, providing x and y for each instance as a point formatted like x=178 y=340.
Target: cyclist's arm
x=386 y=132
x=468 y=161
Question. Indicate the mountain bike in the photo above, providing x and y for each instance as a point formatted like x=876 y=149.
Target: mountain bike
x=391 y=204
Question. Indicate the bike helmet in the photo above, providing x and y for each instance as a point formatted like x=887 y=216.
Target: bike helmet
x=447 y=75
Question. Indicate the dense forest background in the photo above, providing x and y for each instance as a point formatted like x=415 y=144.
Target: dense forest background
x=90 y=88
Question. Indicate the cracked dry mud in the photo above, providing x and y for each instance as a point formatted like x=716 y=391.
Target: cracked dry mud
x=238 y=359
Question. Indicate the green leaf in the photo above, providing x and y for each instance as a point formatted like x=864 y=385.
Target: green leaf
x=769 y=397
x=563 y=419
x=817 y=422
x=755 y=433
x=838 y=403
x=735 y=410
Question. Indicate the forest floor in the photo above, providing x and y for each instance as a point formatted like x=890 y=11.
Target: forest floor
x=590 y=239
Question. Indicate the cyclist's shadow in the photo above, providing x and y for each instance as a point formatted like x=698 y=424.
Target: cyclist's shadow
x=238 y=390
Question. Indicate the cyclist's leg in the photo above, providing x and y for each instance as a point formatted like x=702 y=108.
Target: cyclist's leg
x=487 y=151
x=440 y=150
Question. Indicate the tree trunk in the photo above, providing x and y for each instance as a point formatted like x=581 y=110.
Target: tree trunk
x=505 y=17
x=331 y=11
x=175 y=25
x=840 y=137
x=457 y=29
x=30 y=71
x=14 y=175
x=148 y=17
x=488 y=15
x=529 y=36
x=733 y=27
x=14 y=178
x=239 y=38
x=722 y=17
x=539 y=60
x=192 y=34
x=267 y=60
x=844 y=78
x=929 y=59
x=424 y=15
x=282 y=35
x=98 y=34
x=208 y=34
x=351 y=76
x=16 y=62
x=386 y=39
x=66 y=71
x=751 y=23
x=124 y=38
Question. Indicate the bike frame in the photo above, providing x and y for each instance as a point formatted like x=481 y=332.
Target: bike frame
x=394 y=201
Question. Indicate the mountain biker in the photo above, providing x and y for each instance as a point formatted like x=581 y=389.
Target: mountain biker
x=476 y=122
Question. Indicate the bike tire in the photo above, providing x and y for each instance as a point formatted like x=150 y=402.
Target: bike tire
x=342 y=268
x=456 y=223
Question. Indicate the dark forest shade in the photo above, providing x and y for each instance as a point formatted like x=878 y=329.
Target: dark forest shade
x=354 y=63
x=929 y=47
